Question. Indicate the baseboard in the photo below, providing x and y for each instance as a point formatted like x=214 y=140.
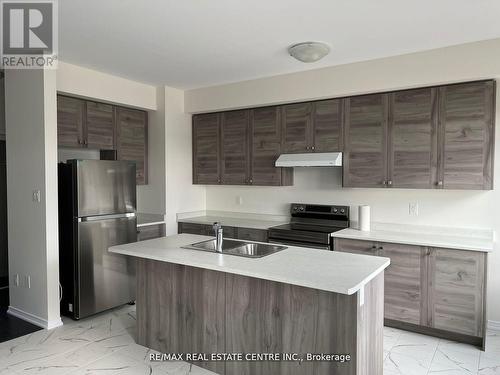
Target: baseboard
x=33 y=319
x=494 y=325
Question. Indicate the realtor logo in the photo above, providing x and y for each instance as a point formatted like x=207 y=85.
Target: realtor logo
x=29 y=34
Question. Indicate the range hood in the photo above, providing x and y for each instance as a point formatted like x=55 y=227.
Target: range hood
x=323 y=159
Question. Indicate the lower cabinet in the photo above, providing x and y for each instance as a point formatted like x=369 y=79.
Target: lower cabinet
x=457 y=291
x=148 y=232
x=404 y=298
x=431 y=290
x=249 y=234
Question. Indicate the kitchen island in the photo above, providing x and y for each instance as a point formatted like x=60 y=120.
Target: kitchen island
x=295 y=302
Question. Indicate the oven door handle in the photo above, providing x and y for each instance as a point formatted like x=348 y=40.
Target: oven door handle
x=298 y=244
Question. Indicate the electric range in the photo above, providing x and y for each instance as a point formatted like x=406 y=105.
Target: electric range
x=311 y=225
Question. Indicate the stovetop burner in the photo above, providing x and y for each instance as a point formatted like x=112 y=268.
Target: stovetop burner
x=311 y=225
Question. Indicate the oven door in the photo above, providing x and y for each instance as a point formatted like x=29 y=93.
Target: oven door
x=299 y=244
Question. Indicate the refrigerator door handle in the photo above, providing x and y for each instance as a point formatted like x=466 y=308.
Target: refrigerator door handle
x=105 y=217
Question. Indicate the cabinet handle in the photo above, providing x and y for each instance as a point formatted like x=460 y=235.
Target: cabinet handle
x=428 y=252
x=312 y=147
x=374 y=247
x=384 y=183
x=251 y=181
x=440 y=183
x=389 y=182
x=381 y=248
x=85 y=142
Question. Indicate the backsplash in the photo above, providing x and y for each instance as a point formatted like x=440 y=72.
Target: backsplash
x=465 y=209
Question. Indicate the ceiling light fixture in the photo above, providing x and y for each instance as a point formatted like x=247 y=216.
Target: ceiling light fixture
x=309 y=52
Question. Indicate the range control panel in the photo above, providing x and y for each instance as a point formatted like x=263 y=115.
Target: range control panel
x=316 y=209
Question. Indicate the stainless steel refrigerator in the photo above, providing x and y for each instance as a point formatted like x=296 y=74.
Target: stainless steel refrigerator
x=97 y=204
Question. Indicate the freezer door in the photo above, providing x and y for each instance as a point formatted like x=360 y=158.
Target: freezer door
x=104 y=279
x=105 y=187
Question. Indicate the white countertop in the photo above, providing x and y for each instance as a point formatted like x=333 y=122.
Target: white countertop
x=408 y=237
x=233 y=221
x=319 y=269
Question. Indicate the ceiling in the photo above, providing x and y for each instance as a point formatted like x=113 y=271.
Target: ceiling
x=196 y=43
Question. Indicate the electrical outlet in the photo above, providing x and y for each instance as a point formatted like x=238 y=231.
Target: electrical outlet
x=413 y=209
x=36 y=196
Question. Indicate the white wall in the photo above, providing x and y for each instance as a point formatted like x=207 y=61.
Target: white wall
x=181 y=194
x=88 y=83
x=32 y=165
x=441 y=208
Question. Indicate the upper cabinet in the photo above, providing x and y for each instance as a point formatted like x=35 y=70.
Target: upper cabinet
x=312 y=127
x=431 y=138
x=99 y=126
x=70 y=121
x=235 y=160
x=412 y=139
x=206 y=149
x=427 y=138
x=297 y=126
x=265 y=140
x=365 y=147
x=327 y=126
x=466 y=135
x=132 y=135
x=238 y=148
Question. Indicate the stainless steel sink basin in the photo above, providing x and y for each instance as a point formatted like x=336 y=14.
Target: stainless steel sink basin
x=239 y=248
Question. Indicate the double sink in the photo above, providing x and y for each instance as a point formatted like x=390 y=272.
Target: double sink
x=239 y=248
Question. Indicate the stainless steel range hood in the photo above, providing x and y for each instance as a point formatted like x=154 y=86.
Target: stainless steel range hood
x=324 y=159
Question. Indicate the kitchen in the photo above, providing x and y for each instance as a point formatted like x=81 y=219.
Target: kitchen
x=442 y=212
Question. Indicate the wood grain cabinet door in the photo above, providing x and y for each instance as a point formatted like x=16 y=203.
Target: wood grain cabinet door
x=206 y=149
x=412 y=140
x=467 y=135
x=149 y=232
x=132 y=138
x=70 y=119
x=356 y=246
x=235 y=157
x=297 y=128
x=365 y=148
x=404 y=278
x=456 y=291
x=100 y=126
x=265 y=136
x=195 y=228
x=327 y=126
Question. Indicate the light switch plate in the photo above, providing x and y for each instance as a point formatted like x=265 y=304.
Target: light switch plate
x=36 y=195
x=413 y=209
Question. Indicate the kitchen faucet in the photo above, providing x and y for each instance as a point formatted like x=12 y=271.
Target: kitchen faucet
x=218 y=237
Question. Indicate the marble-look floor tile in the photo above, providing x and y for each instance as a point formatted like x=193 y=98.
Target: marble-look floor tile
x=105 y=344
x=419 y=347
x=400 y=364
x=448 y=360
x=489 y=364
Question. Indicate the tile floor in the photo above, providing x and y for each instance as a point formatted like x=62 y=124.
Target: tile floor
x=105 y=344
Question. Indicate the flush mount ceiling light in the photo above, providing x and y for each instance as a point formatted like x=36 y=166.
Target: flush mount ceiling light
x=309 y=52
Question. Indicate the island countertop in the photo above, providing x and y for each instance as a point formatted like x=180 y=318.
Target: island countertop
x=318 y=269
